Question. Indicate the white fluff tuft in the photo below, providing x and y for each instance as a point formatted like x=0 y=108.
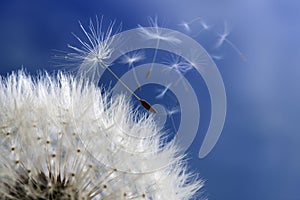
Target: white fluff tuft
x=60 y=138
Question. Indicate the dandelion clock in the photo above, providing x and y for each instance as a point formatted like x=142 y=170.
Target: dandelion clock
x=65 y=138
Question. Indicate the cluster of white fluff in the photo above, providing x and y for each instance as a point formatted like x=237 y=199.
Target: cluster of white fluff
x=61 y=138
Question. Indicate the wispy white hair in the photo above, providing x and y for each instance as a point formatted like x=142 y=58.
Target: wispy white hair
x=61 y=138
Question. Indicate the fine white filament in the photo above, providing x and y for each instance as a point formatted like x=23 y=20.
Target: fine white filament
x=60 y=138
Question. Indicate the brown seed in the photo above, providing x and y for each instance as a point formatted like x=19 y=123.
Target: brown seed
x=146 y=105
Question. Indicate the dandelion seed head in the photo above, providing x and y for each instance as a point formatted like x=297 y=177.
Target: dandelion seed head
x=61 y=138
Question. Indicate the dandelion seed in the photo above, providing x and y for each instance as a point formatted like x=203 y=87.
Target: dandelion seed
x=224 y=38
x=93 y=54
x=186 y=25
x=216 y=57
x=155 y=33
x=130 y=59
x=147 y=106
x=170 y=114
x=204 y=25
x=143 y=102
x=197 y=60
x=164 y=91
x=95 y=51
x=180 y=66
x=53 y=130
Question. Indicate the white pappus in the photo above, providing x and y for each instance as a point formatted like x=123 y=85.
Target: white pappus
x=61 y=138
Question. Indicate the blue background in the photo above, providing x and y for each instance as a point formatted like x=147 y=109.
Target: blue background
x=257 y=156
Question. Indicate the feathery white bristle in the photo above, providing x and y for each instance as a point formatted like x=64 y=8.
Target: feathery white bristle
x=60 y=138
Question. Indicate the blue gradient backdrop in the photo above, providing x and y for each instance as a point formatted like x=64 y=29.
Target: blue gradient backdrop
x=257 y=156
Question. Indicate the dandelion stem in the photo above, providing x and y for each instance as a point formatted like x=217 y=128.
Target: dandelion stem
x=153 y=60
x=144 y=103
x=135 y=77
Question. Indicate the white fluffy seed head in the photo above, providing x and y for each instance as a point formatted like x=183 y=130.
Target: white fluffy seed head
x=61 y=138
